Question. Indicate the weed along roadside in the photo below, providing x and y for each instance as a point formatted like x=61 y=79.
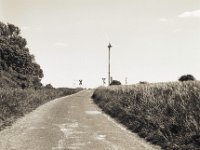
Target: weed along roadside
x=166 y=114
x=15 y=103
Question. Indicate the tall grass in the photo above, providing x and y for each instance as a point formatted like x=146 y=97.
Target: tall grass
x=14 y=103
x=167 y=114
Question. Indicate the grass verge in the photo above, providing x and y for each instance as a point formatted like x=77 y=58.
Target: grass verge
x=14 y=103
x=166 y=114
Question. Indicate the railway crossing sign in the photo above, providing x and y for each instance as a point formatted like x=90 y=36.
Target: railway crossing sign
x=80 y=82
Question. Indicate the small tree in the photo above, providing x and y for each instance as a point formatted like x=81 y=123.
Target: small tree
x=187 y=77
x=115 y=82
x=143 y=82
x=49 y=86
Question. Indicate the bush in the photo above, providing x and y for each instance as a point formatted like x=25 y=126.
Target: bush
x=188 y=77
x=49 y=86
x=115 y=82
x=143 y=82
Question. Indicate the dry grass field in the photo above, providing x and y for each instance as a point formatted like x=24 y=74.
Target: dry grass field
x=167 y=114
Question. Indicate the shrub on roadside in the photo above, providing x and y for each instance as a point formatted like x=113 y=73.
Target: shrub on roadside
x=143 y=82
x=49 y=86
x=187 y=77
x=115 y=82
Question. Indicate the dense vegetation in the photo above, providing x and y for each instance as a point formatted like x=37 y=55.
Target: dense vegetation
x=17 y=66
x=14 y=103
x=167 y=114
x=21 y=90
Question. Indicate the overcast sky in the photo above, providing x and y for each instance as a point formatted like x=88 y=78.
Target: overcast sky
x=153 y=40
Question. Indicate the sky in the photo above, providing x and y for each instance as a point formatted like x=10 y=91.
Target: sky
x=153 y=40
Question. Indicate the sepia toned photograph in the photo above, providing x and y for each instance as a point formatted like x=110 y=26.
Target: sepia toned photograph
x=99 y=74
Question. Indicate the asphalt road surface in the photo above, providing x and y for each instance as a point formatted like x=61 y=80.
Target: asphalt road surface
x=70 y=123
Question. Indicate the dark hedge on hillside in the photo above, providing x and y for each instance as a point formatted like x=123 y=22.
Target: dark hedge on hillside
x=17 y=65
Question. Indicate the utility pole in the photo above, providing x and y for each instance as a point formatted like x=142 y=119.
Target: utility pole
x=74 y=82
x=109 y=47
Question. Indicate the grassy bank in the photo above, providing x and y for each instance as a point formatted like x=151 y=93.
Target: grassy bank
x=167 y=114
x=14 y=103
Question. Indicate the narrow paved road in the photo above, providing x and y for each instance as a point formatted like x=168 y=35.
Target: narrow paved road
x=69 y=123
